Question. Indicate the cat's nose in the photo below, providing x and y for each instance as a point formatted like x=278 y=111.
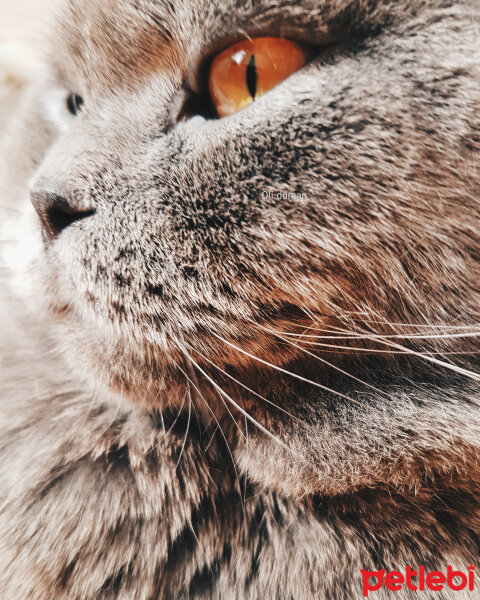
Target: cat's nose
x=57 y=212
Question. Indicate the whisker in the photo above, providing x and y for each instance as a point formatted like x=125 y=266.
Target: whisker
x=228 y=410
x=436 y=361
x=193 y=381
x=426 y=325
x=355 y=349
x=244 y=386
x=191 y=378
x=212 y=437
x=429 y=358
x=247 y=455
x=373 y=336
x=281 y=370
x=238 y=407
x=188 y=425
x=329 y=364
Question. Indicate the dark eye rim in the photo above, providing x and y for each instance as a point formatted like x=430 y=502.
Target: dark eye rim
x=197 y=79
x=74 y=103
x=197 y=98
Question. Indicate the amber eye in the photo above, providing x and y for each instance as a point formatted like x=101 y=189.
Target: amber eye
x=249 y=69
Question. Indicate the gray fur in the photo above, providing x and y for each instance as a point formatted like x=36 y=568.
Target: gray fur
x=122 y=473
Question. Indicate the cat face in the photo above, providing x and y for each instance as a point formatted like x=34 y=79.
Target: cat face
x=343 y=203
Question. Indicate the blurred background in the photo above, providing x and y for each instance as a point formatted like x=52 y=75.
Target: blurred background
x=22 y=23
x=22 y=19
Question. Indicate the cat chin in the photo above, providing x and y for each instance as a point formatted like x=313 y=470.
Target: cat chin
x=117 y=364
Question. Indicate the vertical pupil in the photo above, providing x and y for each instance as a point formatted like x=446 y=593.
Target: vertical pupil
x=74 y=103
x=252 y=77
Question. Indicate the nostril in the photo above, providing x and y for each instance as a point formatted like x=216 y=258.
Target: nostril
x=60 y=218
x=58 y=212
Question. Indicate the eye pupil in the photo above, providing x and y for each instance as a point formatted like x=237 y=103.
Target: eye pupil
x=74 y=103
x=252 y=77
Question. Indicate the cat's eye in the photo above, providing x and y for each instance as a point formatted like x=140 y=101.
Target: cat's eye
x=74 y=103
x=249 y=69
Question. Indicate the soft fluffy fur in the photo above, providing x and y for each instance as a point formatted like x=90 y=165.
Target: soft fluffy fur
x=126 y=471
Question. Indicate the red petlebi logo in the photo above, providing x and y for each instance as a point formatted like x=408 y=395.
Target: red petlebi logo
x=418 y=580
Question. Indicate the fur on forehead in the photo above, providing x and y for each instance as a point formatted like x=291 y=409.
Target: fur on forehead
x=117 y=44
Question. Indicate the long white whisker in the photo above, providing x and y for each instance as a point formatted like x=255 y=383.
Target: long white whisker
x=188 y=425
x=238 y=407
x=373 y=336
x=192 y=376
x=356 y=349
x=198 y=391
x=417 y=325
x=244 y=386
x=329 y=364
x=281 y=370
x=436 y=361
x=429 y=358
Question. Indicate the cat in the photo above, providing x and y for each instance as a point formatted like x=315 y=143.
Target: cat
x=240 y=353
